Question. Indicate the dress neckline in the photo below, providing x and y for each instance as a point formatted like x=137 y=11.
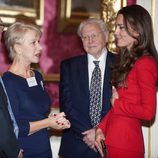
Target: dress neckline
x=19 y=76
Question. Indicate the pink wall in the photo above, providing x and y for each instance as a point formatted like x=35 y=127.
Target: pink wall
x=130 y=2
x=56 y=46
x=4 y=61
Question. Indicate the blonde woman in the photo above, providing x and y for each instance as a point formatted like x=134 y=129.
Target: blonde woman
x=29 y=100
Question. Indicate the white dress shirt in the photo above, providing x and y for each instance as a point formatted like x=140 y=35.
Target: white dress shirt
x=91 y=66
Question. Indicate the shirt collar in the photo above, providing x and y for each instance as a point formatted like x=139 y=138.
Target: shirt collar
x=101 y=58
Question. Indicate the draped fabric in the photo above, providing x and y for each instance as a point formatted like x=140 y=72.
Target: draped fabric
x=130 y=2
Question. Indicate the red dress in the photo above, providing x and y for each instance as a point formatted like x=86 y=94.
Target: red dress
x=122 y=125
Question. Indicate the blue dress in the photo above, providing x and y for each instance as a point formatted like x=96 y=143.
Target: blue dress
x=29 y=104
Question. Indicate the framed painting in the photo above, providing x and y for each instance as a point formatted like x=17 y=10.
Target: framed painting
x=72 y=12
x=11 y=10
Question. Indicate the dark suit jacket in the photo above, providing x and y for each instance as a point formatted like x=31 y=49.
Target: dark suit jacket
x=8 y=143
x=74 y=101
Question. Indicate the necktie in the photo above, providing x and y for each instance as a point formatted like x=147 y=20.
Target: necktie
x=95 y=95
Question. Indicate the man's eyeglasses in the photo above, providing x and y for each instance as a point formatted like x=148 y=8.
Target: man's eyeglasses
x=93 y=36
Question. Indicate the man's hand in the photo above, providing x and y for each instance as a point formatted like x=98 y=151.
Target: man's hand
x=20 y=154
x=89 y=138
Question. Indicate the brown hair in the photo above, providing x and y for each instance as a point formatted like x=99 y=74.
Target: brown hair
x=139 y=20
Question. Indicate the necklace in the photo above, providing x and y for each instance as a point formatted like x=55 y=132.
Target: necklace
x=30 y=73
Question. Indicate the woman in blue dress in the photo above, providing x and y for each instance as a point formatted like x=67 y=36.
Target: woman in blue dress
x=29 y=100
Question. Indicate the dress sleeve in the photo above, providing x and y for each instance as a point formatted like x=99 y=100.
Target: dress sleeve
x=146 y=74
x=102 y=125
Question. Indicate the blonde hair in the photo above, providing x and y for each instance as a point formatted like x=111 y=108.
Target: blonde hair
x=15 y=35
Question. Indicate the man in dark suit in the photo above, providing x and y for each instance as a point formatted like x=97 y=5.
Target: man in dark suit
x=8 y=143
x=75 y=90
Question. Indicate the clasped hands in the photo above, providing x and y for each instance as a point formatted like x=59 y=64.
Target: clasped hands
x=99 y=135
x=98 y=138
x=58 y=121
x=93 y=138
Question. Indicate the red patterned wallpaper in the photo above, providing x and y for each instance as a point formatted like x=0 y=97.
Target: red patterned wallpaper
x=56 y=46
x=130 y=2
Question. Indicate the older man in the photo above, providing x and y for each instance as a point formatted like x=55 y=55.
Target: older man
x=8 y=143
x=85 y=90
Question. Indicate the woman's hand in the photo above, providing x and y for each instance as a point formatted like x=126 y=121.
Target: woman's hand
x=114 y=95
x=59 y=121
x=98 y=138
x=56 y=121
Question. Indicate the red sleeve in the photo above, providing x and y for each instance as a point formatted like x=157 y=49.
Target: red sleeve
x=102 y=125
x=146 y=73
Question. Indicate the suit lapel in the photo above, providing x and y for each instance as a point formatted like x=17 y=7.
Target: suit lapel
x=83 y=75
x=106 y=81
x=107 y=69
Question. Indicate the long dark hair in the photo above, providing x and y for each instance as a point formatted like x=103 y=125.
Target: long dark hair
x=140 y=21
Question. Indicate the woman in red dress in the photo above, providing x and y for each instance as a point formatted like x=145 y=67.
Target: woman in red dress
x=134 y=86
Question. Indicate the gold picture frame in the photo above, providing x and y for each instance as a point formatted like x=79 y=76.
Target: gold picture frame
x=72 y=12
x=10 y=10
